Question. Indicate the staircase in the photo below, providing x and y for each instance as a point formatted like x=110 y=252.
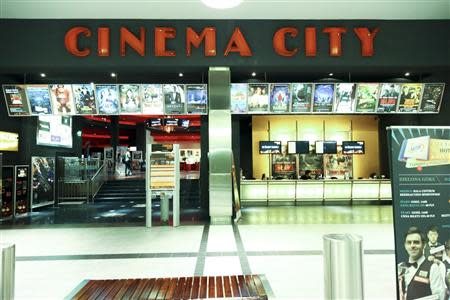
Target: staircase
x=122 y=190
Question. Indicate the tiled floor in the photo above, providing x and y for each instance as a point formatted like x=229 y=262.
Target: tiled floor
x=52 y=262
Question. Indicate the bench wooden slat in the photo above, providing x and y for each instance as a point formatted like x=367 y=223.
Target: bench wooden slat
x=180 y=288
x=187 y=288
x=227 y=286
x=219 y=287
x=139 y=289
x=111 y=284
x=92 y=289
x=112 y=293
x=195 y=288
x=203 y=287
x=251 y=286
x=147 y=289
x=155 y=290
x=163 y=290
x=235 y=286
x=134 y=284
x=123 y=289
x=171 y=290
x=211 y=287
x=83 y=290
x=243 y=286
x=103 y=285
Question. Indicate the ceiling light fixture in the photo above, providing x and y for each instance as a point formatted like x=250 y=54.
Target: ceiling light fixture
x=253 y=74
x=43 y=75
x=331 y=74
x=180 y=74
x=113 y=75
x=407 y=74
x=221 y=4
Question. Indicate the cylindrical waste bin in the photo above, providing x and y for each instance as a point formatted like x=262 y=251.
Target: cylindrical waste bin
x=164 y=208
x=7 y=270
x=343 y=267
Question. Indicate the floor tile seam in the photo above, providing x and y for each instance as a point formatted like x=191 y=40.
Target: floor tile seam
x=243 y=259
x=239 y=254
x=201 y=255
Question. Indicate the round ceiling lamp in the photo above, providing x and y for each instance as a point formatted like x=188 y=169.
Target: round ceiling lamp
x=222 y=4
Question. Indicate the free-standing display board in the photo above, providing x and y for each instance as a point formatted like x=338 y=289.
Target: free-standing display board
x=22 y=189
x=420 y=162
x=163 y=177
x=43 y=181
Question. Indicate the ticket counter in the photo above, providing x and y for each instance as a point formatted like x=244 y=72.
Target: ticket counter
x=277 y=192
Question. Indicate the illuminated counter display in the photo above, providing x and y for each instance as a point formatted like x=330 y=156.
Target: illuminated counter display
x=351 y=191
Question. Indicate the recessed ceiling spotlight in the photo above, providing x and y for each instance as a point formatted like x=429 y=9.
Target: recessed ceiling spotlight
x=253 y=74
x=331 y=74
x=180 y=74
x=113 y=75
x=407 y=74
x=222 y=4
x=91 y=83
x=43 y=75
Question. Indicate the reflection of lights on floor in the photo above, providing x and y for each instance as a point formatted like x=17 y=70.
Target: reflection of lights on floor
x=122 y=206
x=141 y=217
x=96 y=217
x=139 y=205
x=131 y=202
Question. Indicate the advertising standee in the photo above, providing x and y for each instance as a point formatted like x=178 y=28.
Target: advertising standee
x=420 y=160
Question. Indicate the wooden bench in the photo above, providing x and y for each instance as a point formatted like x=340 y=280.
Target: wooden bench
x=206 y=287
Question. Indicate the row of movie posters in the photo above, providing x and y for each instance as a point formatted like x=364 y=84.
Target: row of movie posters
x=337 y=98
x=105 y=99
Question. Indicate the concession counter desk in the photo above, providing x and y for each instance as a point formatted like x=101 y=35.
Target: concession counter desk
x=277 y=192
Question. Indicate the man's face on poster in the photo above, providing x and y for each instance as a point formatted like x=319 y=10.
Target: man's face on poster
x=432 y=236
x=414 y=246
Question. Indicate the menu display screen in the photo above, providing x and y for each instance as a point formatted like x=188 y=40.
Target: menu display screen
x=353 y=147
x=326 y=147
x=298 y=147
x=269 y=147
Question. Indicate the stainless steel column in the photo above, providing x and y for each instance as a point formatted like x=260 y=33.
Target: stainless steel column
x=343 y=267
x=164 y=204
x=7 y=271
x=220 y=152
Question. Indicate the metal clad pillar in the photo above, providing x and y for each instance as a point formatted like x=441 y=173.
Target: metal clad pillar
x=220 y=151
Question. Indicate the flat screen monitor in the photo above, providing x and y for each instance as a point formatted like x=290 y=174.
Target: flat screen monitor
x=54 y=131
x=326 y=147
x=171 y=122
x=298 y=147
x=353 y=147
x=184 y=123
x=269 y=147
x=155 y=122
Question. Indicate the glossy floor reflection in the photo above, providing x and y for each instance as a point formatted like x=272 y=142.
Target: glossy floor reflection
x=357 y=214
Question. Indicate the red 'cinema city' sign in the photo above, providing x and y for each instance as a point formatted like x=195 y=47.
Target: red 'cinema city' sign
x=236 y=43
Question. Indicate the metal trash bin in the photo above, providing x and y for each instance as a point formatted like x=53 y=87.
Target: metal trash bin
x=343 y=267
x=7 y=271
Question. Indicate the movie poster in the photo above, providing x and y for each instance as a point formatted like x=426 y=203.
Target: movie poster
x=280 y=97
x=109 y=159
x=345 y=97
x=130 y=99
x=197 y=98
x=387 y=102
x=410 y=97
x=16 y=100
x=174 y=99
x=238 y=98
x=107 y=99
x=420 y=162
x=62 y=99
x=432 y=97
x=84 y=97
x=323 y=97
x=301 y=97
x=121 y=151
x=43 y=181
x=152 y=99
x=367 y=97
x=311 y=162
x=284 y=166
x=339 y=166
x=258 y=97
x=39 y=99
